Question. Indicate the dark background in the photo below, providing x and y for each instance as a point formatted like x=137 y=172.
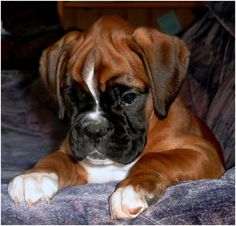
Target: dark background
x=29 y=27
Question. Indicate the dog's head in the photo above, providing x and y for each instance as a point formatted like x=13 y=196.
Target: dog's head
x=108 y=80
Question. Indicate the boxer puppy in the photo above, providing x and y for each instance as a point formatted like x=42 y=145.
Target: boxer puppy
x=118 y=87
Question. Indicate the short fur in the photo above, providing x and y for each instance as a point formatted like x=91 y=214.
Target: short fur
x=137 y=76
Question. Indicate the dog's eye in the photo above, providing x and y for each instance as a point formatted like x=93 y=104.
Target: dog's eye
x=129 y=98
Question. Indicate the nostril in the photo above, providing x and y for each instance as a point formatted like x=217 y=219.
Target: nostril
x=95 y=130
x=94 y=127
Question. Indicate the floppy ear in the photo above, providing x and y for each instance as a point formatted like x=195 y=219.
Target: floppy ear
x=53 y=64
x=165 y=59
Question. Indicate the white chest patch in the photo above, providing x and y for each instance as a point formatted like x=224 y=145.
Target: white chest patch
x=106 y=173
x=88 y=75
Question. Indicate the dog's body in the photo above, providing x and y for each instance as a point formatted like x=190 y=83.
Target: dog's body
x=118 y=87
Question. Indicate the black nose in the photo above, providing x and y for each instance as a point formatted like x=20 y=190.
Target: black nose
x=95 y=128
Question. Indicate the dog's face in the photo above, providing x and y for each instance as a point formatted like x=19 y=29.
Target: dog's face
x=108 y=80
x=105 y=99
x=111 y=127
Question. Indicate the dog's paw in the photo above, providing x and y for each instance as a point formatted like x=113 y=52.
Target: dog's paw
x=127 y=203
x=33 y=187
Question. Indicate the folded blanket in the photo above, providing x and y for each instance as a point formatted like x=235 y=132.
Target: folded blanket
x=192 y=202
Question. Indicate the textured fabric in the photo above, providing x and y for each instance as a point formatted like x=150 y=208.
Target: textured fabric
x=196 y=202
x=209 y=87
x=30 y=126
x=224 y=13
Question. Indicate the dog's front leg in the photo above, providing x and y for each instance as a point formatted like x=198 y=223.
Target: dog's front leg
x=154 y=172
x=44 y=180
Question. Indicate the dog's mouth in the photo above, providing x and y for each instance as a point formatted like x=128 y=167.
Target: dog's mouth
x=97 y=158
x=99 y=161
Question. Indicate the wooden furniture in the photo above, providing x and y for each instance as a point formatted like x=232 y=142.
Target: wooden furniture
x=82 y=14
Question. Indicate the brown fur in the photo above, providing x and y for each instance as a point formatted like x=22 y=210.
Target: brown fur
x=179 y=146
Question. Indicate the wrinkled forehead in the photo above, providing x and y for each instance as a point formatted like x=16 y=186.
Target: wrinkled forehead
x=107 y=63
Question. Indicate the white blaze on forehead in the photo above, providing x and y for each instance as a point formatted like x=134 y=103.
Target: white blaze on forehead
x=90 y=83
x=88 y=75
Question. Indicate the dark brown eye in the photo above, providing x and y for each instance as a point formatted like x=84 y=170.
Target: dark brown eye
x=129 y=98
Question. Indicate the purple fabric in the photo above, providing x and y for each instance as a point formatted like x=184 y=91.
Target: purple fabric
x=30 y=126
x=197 y=202
x=225 y=14
x=210 y=86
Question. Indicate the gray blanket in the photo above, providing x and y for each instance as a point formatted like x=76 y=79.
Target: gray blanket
x=195 y=202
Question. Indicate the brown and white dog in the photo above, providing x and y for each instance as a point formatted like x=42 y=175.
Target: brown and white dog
x=118 y=85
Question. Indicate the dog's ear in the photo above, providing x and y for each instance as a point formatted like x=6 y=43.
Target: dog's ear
x=165 y=59
x=53 y=64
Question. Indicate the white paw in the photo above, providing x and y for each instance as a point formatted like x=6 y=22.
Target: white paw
x=32 y=187
x=126 y=203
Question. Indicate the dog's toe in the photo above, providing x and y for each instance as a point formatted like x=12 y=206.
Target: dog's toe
x=33 y=187
x=126 y=203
